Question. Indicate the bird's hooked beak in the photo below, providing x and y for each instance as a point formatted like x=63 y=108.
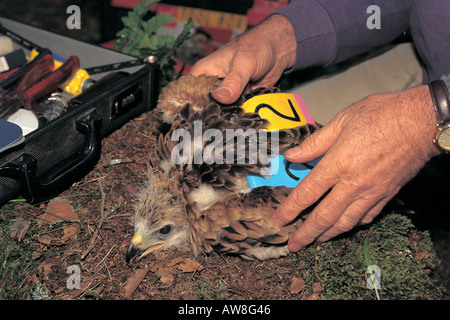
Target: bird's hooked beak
x=136 y=247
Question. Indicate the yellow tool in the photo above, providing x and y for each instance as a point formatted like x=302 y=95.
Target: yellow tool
x=76 y=84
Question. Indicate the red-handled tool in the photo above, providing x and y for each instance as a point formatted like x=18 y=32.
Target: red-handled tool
x=38 y=82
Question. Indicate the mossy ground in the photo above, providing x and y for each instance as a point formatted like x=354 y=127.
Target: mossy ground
x=404 y=256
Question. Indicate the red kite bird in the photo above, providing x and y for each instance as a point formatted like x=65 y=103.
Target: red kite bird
x=202 y=198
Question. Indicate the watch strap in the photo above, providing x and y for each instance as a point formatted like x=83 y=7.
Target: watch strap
x=441 y=101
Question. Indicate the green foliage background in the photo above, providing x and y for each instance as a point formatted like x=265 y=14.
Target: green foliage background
x=139 y=38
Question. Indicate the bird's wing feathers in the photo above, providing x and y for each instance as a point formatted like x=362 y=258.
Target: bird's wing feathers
x=241 y=150
x=241 y=224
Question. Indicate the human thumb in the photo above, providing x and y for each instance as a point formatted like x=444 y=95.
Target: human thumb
x=231 y=88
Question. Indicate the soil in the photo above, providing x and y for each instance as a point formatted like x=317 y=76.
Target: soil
x=171 y=274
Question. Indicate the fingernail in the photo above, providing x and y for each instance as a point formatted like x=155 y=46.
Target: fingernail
x=222 y=92
x=292 y=153
x=278 y=222
x=294 y=247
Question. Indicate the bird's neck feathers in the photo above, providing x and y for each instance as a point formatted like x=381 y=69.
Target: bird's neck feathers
x=161 y=191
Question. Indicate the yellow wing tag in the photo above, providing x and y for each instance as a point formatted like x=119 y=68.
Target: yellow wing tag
x=283 y=110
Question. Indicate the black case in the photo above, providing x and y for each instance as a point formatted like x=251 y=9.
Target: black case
x=64 y=150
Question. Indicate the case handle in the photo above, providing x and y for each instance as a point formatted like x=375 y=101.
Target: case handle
x=73 y=168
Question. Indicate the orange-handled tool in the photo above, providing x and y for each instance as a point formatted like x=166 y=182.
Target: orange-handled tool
x=38 y=82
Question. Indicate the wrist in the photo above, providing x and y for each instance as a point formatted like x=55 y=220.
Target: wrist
x=422 y=119
x=280 y=33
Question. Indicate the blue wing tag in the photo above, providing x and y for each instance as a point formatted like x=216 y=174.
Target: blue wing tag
x=282 y=173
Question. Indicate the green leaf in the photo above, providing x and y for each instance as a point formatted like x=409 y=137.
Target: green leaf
x=139 y=38
x=369 y=262
x=156 y=22
x=185 y=33
x=143 y=7
x=128 y=22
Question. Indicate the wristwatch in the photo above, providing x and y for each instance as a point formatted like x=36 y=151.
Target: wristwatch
x=441 y=103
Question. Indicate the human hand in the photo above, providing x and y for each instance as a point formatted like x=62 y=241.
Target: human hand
x=259 y=56
x=371 y=149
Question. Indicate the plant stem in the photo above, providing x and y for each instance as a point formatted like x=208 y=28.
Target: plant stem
x=369 y=263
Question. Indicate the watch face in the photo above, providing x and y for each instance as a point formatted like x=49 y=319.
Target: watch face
x=443 y=139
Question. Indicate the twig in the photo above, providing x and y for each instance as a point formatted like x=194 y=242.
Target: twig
x=105 y=256
x=96 y=179
x=315 y=272
x=103 y=216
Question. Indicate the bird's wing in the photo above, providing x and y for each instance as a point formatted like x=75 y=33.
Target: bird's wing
x=241 y=224
x=216 y=144
x=221 y=145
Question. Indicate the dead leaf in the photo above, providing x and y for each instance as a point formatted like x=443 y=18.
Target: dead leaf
x=422 y=255
x=45 y=268
x=134 y=281
x=19 y=228
x=188 y=265
x=69 y=232
x=59 y=209
x=413 y=240
x=166 y=272
x=45 y=239
x=48 y=240
x=36 y=255
x=317 y=287
x=185 y=264
x=167 y=276
x=314 y=296
x=175 y=261
x=297 y=285
x=155 y=268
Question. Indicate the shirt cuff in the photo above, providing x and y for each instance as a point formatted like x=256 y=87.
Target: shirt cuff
x=446 y=80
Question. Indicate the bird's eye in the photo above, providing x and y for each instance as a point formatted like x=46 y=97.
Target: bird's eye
x=165 y=230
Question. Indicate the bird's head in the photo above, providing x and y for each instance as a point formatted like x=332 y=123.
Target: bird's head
x=160 y=218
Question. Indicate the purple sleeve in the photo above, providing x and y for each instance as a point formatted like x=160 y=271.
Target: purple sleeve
x=430 y=28
x=330 y=31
